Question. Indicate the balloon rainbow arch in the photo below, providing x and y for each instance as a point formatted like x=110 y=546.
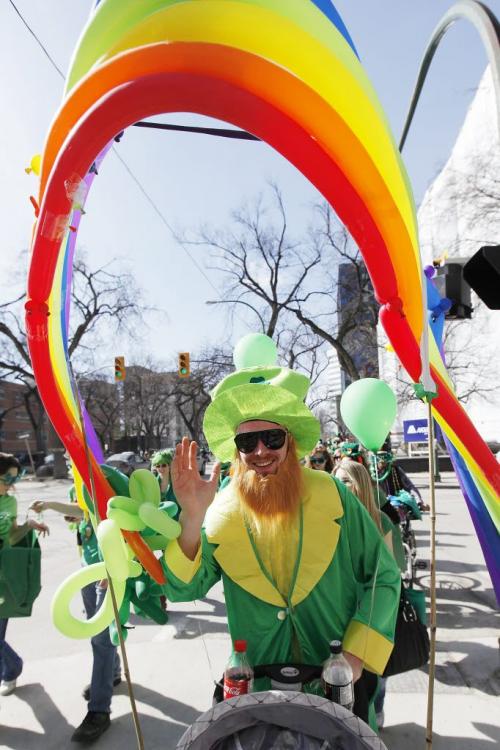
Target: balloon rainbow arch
x=288 y=73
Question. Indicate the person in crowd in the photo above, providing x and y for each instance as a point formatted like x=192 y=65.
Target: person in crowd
x=392 y=478
x=357 y=478
x=353 y=451
x=160 y=465
x=106 y=667
x=11 y=664
x=284 y=539
x=320 y=460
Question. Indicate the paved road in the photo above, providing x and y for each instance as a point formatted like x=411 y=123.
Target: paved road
x=173 y=667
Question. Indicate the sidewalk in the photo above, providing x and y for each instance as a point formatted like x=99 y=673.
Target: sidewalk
x=173 y=667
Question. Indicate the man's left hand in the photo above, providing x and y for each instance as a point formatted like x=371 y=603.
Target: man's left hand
x=356 y=665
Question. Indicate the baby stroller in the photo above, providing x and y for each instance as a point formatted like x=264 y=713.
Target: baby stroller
x=280 y=719
x=408 y=511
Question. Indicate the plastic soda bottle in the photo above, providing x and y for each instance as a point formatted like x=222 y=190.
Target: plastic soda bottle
x=238 y=675
x=336 y=678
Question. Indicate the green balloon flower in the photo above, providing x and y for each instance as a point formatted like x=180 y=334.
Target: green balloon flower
x=143 y=512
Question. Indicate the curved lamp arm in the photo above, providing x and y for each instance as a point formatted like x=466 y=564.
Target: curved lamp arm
x=488 y=27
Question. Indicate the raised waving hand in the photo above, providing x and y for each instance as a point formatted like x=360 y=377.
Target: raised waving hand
x=192 y=491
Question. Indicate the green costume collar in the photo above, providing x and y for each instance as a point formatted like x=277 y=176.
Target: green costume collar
x=225 y=527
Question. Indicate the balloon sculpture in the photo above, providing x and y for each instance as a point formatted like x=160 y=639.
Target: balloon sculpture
x=136 y=508
x=286 y=72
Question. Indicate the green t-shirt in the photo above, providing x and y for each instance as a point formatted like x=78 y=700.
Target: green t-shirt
x=90 y=548
x=8 y=514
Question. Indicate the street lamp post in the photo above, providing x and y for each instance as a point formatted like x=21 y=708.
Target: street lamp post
x=26 y=436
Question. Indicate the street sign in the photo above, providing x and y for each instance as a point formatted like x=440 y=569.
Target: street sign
x=415 y=431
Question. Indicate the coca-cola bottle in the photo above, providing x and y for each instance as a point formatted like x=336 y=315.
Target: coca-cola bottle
x=238 y=675
x=336 y=678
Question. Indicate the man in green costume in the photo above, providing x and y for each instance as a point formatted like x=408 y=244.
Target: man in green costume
x=301 y=560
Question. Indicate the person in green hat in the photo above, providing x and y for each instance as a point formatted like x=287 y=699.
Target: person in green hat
x=160 y=465
x=301 y=560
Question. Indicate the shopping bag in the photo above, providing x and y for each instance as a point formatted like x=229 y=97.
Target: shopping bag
x=19 y=576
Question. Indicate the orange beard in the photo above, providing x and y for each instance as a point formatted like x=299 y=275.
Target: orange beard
x=270 y=503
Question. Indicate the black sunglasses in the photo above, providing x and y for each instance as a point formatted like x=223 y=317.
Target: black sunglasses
x=318 y=460
x=246 y=442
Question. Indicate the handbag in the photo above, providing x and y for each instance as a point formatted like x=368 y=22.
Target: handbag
x=417 y=599
x=411 y=640
x=20 y=576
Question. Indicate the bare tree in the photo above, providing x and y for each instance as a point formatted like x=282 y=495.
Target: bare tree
x=106 y=295
x=307 y=293
x=149 y=407
x=470 y=361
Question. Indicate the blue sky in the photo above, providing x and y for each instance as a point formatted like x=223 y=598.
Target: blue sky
x=196 y=179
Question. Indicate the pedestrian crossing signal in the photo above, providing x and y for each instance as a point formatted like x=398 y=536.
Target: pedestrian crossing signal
x=183 y=369
x=119 y=369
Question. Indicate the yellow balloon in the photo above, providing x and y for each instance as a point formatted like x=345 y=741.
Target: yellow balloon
x=36 y=164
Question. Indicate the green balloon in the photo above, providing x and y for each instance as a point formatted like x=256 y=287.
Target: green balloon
x=144 y=487
x=63 y=618
x=368 y=408
x=255 y=350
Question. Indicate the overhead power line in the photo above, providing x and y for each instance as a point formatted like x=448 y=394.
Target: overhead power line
x=38 y=41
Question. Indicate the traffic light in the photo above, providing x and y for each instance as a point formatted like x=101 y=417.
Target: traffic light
x=183 y=369
x=119 y=369
x=451 y=283
x=482 y=272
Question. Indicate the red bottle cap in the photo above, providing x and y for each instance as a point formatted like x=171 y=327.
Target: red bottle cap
x=240 y=646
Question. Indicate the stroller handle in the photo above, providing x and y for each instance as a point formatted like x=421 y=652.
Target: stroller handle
x=288 y=673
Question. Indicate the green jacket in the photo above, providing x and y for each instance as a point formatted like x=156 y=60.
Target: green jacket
x=340 y=548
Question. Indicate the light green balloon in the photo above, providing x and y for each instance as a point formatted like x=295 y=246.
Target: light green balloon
x=255 y=350
x=72 y=626
x=123 y=503
x=156 y=541
x=143 y=487
x=159 y=521
x=125 y=520
x=368 y=408
x=113 y=549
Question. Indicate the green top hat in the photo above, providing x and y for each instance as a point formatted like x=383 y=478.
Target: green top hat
x=259 y=389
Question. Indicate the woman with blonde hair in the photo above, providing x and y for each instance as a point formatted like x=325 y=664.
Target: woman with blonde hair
x=357 y=479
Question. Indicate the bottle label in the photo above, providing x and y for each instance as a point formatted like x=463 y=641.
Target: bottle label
x=234 y=687
x=341 y=694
